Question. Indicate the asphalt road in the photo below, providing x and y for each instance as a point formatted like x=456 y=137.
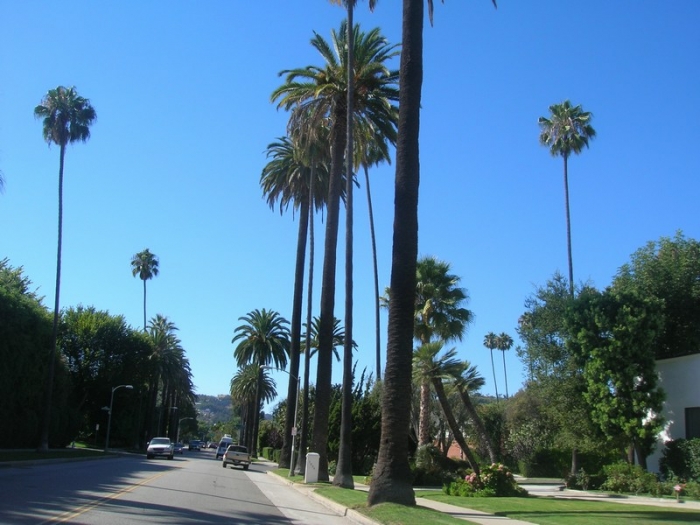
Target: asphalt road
x=190 y=489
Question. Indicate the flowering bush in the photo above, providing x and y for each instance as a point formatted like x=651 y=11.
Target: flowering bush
x=495 y=481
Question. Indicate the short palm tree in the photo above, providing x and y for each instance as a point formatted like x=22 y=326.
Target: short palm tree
x=567 y=130
x=244 y=387
x=319 y=94
x=66 y=118
x=466 y=382
x=439 y=315
x=145 y=265
x=263 y=340
x=430 y=368
x=491 y=342
x=504 y=343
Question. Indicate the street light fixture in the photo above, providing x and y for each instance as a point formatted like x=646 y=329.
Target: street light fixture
x=109 y=411
x=177 y=435
x=292 y=466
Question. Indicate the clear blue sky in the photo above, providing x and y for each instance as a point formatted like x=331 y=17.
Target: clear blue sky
x=182 y=93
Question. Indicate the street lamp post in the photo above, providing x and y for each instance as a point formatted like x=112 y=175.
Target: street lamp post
x=109 y=417
x=292 y=466
x=177 y=436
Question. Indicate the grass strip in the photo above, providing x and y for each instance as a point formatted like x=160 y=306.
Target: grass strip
x=559 y=511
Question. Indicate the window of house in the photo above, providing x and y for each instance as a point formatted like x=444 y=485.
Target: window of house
x=692 y=422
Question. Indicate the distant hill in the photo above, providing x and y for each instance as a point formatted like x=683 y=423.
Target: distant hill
x=214 y=409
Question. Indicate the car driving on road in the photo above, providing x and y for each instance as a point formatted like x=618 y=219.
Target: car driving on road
x=160 y=446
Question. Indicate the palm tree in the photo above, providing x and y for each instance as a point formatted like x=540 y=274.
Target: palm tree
x=145 y=265
x=438 y=315
x=491 y=342
x=287 y=178
x=468 y=381
x=372 y=149
x=566 y=131
x=430 y=369
x=505 y=343
x=317 y=94
x=391 y=480
x=165 y=363
x=67 y=118
x=338 y=338
x=263 y=340
x=244 y=386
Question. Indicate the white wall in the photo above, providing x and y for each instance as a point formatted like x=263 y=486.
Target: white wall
x=680 y=379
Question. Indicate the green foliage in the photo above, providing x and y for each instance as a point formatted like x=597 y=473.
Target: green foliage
x=667 y=270
x=622 y=477
x=267 y=452
x=270 y=435
x=614 y=334
x=495 y=481
x=431 y=468
x=681 y=460
x=25 y=340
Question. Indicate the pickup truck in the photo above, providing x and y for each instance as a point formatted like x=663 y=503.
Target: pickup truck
x=237 y=455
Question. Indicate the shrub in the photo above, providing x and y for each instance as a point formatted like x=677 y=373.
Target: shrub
x=432 y=468
x=681 y=460
x=495 y=481
x=623 y=477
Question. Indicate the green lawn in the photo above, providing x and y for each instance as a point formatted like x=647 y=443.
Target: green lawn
x=544 y=511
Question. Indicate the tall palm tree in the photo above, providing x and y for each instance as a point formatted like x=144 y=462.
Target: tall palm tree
x=505 y=343
x=491 y=342
x=317 y=94
x=439 y=315
x=338 y=338
x=165 y=363
x=145 y=265
x=263 y=340
x=391 y=480
x=431 y=369
x=66 y=118
x=287 y=179
x=372 y=149
x=567 y=130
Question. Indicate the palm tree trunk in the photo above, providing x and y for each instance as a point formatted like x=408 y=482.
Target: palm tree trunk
x=568 y=226
x=48 y=393
x=324 y=367
x=144 y=305
x=505 y=372
x=343 y=473
x=377 y=330
x=493 y=369
x=478 y=424
x=303 y=442
x=295 y=350
x=424 y=417
x=392 y=476
x=454 y=427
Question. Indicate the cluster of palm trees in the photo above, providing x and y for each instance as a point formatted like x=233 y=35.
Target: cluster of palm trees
x=338 y=123
x=502 y=342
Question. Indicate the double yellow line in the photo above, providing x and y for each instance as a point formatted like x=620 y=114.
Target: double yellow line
x=67 y=516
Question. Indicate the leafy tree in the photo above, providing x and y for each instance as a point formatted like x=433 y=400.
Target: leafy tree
x=567 y=130
x=668 y=270
x=615 y=334
x=145 y=265
x=316 y=95
x=66 y=118
x=263 y=340
x=25 y=333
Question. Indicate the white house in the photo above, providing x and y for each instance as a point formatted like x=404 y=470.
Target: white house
x=680 y=379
